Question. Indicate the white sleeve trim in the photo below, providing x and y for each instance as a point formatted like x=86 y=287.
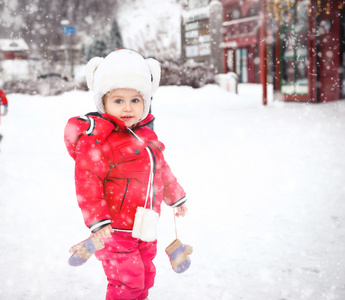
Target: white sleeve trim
x=179 y=202
x=94 y=226
x=91 y=121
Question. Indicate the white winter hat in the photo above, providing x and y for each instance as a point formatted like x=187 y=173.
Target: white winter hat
x=123 y=69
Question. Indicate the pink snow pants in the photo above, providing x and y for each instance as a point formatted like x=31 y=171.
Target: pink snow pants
x=127 y=263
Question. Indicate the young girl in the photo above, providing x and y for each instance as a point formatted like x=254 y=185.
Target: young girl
x=3 y=102
x=121 y=176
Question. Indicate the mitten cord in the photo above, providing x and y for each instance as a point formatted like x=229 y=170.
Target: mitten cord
x=175 y=222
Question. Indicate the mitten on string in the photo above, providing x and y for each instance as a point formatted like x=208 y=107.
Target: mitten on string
x=84 y=250
x=145 y=224
x=138 y=222
x=178 y=255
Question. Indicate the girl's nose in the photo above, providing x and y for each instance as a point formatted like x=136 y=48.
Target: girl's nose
x=128 y=107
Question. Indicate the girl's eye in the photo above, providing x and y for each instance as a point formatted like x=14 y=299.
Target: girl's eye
x=118 y=101
x=135 y=100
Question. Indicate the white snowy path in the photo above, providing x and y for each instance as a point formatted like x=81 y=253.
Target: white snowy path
x=266 y=189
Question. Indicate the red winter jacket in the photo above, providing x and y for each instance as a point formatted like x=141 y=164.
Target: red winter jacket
x=112 y=169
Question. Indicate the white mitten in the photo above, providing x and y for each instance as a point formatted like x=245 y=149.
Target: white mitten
x=138 y=222
x=145 y=225
x=149 y=226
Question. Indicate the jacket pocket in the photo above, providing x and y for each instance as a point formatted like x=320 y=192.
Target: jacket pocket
x=124 y=195
x=134 y=160
x=131 y=151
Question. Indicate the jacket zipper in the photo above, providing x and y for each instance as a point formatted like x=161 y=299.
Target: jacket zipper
x=154 y=165
x=154 y=172
x=124 y=196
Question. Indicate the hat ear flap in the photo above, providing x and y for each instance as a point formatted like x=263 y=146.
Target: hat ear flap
x=155 y=72
x=91 y=68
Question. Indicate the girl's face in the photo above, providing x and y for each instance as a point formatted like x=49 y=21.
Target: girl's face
x=126 y=105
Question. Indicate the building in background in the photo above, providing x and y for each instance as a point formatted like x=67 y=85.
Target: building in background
x=13 y=49
x=304 y=41
x=241 y=38
x=309 y=50
x=201 y=33
x=14 y=62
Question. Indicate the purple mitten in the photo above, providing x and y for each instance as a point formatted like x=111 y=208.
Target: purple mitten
x=84 y=250
x=178 y=255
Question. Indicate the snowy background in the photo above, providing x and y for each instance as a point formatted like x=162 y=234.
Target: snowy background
x=156 y=31
x=266 y=198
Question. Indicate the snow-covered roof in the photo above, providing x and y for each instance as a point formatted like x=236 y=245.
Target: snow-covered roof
x=196 y=14
x=13 y=45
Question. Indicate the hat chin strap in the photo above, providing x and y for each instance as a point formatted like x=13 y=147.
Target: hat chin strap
x=142 y=118
x=146 y=111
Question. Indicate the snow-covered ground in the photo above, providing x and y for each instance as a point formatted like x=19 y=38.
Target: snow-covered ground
x=266 y=187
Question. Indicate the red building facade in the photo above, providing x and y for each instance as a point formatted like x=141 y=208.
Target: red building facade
x=240 y=38
x=304 y=41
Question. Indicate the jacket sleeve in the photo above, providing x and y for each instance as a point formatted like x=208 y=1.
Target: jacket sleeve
x=174 y=195
x=91 y=168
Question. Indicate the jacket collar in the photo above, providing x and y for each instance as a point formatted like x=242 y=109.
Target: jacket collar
x=120 y=125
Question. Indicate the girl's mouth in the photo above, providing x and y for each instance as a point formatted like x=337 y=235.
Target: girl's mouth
x=126 y=118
